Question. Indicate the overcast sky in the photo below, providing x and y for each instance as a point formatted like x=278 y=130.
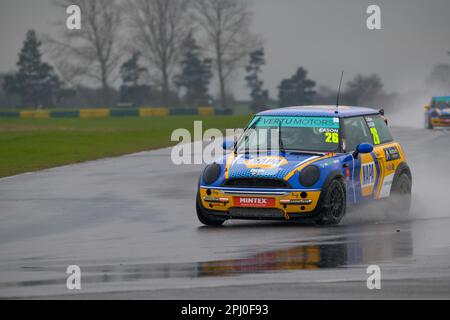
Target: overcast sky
x=324 y=36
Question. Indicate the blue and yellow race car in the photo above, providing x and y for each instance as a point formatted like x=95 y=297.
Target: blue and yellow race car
x=437 y=113
x=306 y=163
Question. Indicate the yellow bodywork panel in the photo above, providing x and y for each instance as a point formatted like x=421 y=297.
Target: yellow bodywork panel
x=387 y=168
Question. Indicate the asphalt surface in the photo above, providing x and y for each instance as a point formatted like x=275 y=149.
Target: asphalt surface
x=130 y=224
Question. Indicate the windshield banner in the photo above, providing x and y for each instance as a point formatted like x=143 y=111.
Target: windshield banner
x=296 y=122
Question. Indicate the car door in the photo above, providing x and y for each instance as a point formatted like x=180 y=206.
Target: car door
x=387 y=153
x=364 y=169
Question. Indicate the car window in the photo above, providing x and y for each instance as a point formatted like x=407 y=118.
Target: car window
x=294 y=133
x=379 y=130
x=356 y=132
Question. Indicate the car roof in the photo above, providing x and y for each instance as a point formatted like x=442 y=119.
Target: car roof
x=321 y=111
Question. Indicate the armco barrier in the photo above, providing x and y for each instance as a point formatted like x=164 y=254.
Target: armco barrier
x=224 y=112
x=124 y=113
x=65 y=114
x=183 y=112
x=105 y=113
x=9 y=114
x=36 y=114
x=206 y=111
x=94 y=113
x=153 y=112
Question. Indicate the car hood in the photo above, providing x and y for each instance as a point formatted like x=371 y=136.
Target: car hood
x=272 y=166
x=443 y=112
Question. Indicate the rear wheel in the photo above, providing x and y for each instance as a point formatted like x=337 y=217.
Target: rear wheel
x=400 y=200
x=206 y=218
x=334 y=204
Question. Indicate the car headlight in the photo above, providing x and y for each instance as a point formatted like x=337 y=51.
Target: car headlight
x=211 y=173
x=309 y=176
x=434 y=114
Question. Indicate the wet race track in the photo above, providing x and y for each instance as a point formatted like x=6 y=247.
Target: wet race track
x=130 y=224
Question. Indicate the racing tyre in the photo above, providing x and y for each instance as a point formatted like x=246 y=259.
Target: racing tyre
x=334 y=204
x=429 y=124
x=206 y=218
x=400 y=200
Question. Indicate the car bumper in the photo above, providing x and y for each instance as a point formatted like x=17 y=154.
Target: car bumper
x=259 y=203
x=440 y=122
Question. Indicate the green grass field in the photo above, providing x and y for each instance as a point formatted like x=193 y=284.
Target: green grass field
x=33 y=144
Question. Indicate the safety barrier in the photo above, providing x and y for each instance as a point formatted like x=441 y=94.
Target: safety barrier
x=153 y=112
x=94 y=113
x=9 y=114
x=37 y=114
x=105 y=113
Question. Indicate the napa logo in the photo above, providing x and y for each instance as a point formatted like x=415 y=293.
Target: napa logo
x=266 y=162
x=368 y=174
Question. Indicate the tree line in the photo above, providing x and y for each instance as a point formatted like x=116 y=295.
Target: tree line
x=162 y=52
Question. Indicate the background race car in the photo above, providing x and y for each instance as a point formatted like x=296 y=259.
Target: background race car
x=437 y=113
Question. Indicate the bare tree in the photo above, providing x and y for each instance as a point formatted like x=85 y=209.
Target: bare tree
x=159 y=28
x=94 y=50
x=227 y=27
x=364 y=90
x=439 y=78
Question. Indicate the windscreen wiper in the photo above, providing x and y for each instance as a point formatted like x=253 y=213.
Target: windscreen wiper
x=308 y=152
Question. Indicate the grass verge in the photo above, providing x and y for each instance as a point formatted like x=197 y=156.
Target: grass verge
x=34 y=144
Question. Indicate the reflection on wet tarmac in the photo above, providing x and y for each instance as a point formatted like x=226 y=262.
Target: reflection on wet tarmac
x=362 y=248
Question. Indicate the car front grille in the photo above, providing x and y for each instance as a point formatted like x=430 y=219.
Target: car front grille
x=257 y=183
x=254 y=213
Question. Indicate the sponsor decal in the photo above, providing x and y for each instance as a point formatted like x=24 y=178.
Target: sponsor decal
x=332 y=130
x=390 y=167
x=368 y=174
x=329 y=163
x=249 y=202
x=297 y=122
x=270 y=162
x=392 y=153
x=264 y=172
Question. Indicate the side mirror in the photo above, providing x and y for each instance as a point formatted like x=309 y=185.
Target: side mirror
x=382 y=114
x=362 y=149
x=228 y=144
x=427 y=107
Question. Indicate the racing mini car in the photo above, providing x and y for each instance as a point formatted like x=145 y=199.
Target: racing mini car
x=437 y=113
x=321 y=160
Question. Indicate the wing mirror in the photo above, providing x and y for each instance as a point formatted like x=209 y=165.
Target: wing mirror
x=427 y=107
x=363 y=148
x=228 y=144
x=382 y=113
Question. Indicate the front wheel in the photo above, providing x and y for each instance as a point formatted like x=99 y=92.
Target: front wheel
x=428 y=123
x=206 y=218
x=334 y=204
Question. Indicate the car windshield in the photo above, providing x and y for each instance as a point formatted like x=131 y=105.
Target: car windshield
x=309 y=134
x=441 y=103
